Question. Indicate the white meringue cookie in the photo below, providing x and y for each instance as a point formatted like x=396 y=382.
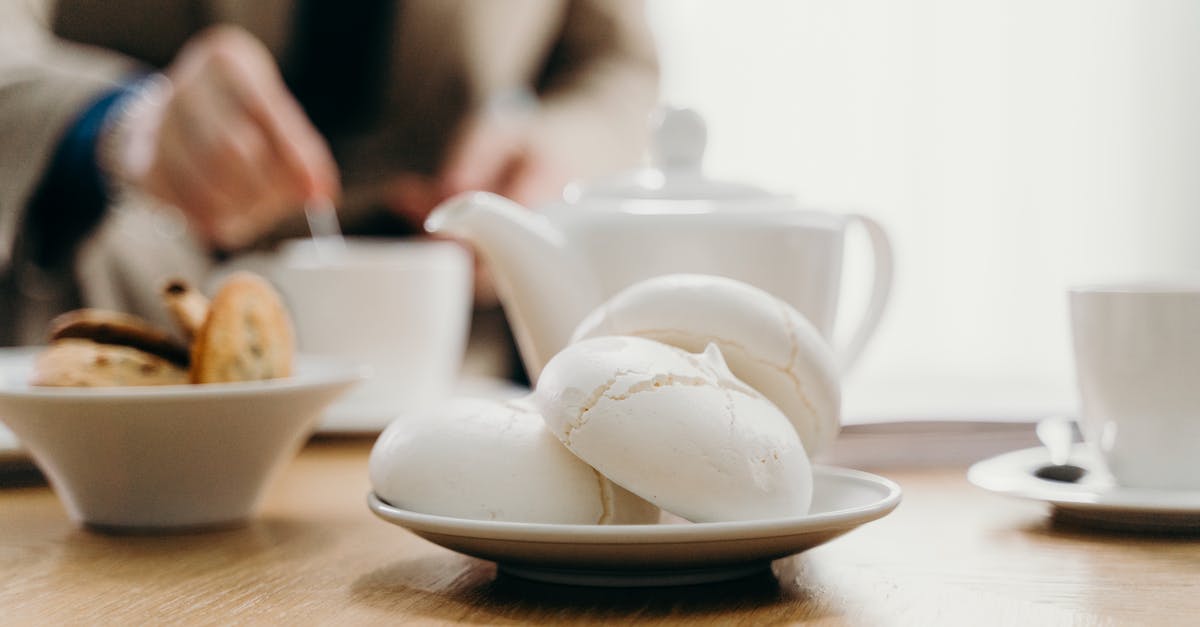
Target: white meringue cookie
x=766 y=342
x=491 y=460
x=677 y=429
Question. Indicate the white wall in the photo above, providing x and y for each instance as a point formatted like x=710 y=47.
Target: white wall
x=1013 y=147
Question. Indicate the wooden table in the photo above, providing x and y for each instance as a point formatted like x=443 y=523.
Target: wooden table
x=951 y=554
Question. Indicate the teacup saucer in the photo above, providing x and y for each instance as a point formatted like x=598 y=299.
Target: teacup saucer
x=1094 y=500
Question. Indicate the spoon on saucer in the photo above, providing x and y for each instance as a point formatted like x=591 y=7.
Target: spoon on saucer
x=1057 y=434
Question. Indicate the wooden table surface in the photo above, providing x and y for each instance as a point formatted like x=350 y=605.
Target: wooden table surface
x=951 y=554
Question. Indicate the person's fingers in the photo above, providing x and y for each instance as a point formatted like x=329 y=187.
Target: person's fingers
x=530 y=180
x=179 y=172
x=189 y=182
x=233 y=149
x=225 y=222
x=228 y=147
x=203 y=207
x=260 y=91
x=256 y=151
x=281 y=199
x=413 y=196
x=514 y=179
x=476 y=160
x=185 y=177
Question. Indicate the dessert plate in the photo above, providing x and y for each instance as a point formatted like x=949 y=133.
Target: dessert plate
x=1095 y=500
x=657 y=555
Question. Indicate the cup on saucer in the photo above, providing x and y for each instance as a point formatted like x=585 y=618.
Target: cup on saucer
x=400 y=306
x=1137 y=359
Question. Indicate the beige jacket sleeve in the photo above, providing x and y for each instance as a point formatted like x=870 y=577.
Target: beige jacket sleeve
x=44 y=85
x=600 y=86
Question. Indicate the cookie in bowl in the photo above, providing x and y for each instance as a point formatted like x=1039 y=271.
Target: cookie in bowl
x=243 y=334
x=84 y=363
x=108 y=413
x=246 y=335
x=98 y=348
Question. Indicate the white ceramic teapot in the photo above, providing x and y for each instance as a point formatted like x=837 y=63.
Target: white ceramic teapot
x=553 y=266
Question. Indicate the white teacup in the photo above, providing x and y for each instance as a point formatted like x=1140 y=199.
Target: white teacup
x=401 y=307
x=1137 y=355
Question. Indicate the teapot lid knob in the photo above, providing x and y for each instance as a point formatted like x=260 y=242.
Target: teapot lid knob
x=680 y=136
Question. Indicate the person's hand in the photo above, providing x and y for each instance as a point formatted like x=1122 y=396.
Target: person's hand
x=489 y=153
x=494 y=152
x=228 y=144
x=503 y=156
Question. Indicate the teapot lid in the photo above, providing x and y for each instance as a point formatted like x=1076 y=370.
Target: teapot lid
x=675 y=172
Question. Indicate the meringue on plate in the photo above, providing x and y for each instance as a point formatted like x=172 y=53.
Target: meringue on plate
x=767 y=343
x=494 y=460
x=676 y=428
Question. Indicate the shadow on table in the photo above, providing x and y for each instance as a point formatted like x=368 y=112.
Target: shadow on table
x=454 y=587
x=1131 y=526
x=193 y=553
x=20 y=476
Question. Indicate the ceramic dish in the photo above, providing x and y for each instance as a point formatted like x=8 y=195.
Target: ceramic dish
x=1094 y=500
x=12 y=454
x=170 y=456
x=657 y=555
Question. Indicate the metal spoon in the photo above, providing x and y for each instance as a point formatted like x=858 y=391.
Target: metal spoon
x=325 y=229
x=1058 y=435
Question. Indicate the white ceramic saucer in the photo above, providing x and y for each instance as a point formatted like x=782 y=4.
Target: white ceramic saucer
x=657 y=555
x=1095 y=500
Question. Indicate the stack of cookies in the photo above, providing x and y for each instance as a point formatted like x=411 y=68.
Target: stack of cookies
x=243 y=334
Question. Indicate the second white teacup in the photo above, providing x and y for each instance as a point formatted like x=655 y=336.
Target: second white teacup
x=1137 y=356
x=401 y=307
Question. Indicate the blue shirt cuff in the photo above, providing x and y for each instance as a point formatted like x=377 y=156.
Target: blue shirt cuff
x=73 y=194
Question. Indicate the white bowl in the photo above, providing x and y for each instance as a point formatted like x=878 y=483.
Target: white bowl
x=177 y=456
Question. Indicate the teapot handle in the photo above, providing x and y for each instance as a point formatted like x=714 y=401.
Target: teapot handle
x=881 y=288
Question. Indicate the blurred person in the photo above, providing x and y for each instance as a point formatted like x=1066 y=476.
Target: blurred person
x=142 y=139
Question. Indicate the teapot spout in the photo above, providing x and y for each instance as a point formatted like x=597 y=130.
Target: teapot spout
x=545 y=287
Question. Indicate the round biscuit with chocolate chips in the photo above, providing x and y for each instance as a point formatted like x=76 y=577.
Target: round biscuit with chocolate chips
x=247 y=335
x=75 y=362
x=120 y=329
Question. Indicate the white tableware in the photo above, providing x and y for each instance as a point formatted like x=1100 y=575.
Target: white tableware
x=1096 y=499
x=12 y=454
x=1137 y=358
x=663 y=554
x=178 y=456
x=553 y=266
x=10 y=449
x=401 y=307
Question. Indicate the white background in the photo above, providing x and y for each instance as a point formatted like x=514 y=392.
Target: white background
x=1012 y=148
